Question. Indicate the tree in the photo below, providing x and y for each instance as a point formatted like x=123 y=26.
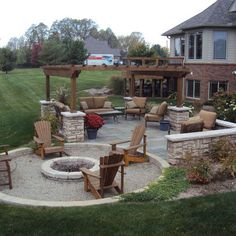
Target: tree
x=141 y=50
x=36 y=34
x=73 y=29
x=76 y=52
x=53 y=52
x=107 y=35
x=7 y=59
x=160 y=51
x=128 y=42
x=36 y=48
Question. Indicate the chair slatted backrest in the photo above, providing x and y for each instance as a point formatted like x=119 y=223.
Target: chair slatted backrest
x=108 y=174
x=43 y=131
x=137 y=137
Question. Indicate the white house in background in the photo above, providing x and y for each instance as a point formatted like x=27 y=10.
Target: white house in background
x=208 y=43
x=101 y=53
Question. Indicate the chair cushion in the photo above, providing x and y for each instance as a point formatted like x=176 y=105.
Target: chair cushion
x=154 y=109
x=99 y=102
x=107 y=104
x=131 y=105
x=89 y=101
x=209 y=118
x=133 y=111
x=152 y=117
x=140 y=101
x=192 y=125
x=162 y=109
x=84 y=105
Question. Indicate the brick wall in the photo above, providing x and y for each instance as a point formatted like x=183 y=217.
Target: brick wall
x=208 y=72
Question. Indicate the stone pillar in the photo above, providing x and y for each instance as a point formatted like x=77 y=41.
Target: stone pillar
x=47 y=108
x=177 y=115
x=73 y=126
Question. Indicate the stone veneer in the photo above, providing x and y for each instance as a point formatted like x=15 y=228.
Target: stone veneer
x=198 y=143
x=177 y=115
x=47 y=108
x=73 y=126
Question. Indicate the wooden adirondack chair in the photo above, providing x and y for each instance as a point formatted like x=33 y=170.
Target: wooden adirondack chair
x=5 y=166
x=130 y=153
x=43 y=139
x=98 y=182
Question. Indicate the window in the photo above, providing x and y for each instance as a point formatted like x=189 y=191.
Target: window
x=193 y=88
x=195 y=46
x=216 y=86
x=179 y=46
x=220 y=39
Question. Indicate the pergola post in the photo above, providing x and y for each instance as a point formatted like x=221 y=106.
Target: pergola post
x=179 y=102
x=73 y=95
x=47 y=88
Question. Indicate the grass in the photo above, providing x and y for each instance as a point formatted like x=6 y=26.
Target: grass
x=173 y=182
x=211 y=215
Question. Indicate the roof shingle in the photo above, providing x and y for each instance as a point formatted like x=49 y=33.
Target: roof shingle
x=216 y=15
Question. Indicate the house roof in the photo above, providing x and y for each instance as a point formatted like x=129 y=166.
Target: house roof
x=95 y=46
x=219 y=14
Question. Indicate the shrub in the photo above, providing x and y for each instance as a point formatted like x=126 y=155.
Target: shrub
x=224 y=152
x=117 y=85
x=63 y=95
x=225 y=106
x=198 y=170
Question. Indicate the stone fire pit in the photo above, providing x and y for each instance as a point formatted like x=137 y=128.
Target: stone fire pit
x=68 y=168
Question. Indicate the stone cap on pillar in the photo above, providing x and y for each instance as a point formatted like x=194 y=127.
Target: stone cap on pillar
x=178 y=109
x=75 y=114
x=44 y=102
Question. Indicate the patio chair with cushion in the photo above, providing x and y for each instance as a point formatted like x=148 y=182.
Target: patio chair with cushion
x=209 y=119
x=105 y=179
x=156 y=114
x=135 y=107
x=130 y=153
x=5 y=167
x=43 y=139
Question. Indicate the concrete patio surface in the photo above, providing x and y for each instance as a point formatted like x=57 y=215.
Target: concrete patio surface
x=122 y=130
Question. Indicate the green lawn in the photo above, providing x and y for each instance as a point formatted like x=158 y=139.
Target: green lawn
x=212 y=215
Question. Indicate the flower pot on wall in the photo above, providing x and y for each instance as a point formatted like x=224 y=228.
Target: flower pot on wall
x=92 y=133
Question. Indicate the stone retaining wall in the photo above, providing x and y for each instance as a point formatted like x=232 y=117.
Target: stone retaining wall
x=198 y=143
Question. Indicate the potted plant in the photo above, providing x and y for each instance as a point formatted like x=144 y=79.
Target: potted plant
x=92 y=123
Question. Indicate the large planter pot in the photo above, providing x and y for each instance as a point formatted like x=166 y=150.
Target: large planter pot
x=92 y=133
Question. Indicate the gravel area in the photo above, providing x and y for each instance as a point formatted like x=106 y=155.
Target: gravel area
x=28 y=182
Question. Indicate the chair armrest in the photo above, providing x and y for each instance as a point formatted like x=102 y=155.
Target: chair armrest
x=38 y=140
x=85 y=171
x=119 y=142
x=133 y=147
x=58 y=138
x=5 y=148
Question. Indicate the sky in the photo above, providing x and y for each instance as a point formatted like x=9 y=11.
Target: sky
x=149 y=17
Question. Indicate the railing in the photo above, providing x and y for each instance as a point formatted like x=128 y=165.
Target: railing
x=154 y=61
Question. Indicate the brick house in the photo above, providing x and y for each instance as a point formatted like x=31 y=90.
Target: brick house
x=208 y=43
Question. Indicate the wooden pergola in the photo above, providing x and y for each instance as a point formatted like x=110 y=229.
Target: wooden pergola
x=143 y=67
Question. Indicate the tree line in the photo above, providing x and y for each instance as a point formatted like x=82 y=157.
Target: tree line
x=63 y=43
